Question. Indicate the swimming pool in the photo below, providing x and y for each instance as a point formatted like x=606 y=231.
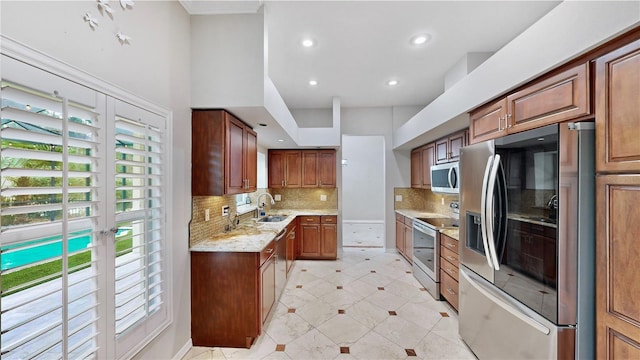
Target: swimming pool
x=51 y=248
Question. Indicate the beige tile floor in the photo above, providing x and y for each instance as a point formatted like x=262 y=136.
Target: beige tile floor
x=365 y=305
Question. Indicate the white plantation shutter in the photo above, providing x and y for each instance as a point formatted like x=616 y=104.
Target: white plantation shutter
x=140 y=217
x=83 y=194
x=49 y=193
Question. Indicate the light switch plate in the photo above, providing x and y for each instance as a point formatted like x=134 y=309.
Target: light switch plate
x=225 y=210
x=323 y=197
x=207 y=216
x=277 y=197
x=399 y=198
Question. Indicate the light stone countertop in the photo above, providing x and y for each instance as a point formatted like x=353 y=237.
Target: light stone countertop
x=419 y=214
x=452 y=233
x=252 y=236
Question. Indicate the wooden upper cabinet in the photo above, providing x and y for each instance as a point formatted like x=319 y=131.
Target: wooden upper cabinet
x=564 y=96
x=561 y=97
x=617 y=110
x=293 y=169
x=327 y=168
x=617 y=277
x=276 y=169
x=487 y=122
x=416 y=168
x=428 y=159
x=223 y=154
x=302 y=168
x=448 y=149
x=310 y=169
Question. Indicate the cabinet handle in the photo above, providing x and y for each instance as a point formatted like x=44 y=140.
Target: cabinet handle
x=451 y=291
x=506 y=119
x=309 y=219
x=449 y=271
x=269 y=251
x=499 y=123
x=449 y=245
x=449 y=258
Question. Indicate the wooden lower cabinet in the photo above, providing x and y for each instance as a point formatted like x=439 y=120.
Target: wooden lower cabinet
x=404 y=236
x=617 y=275
x=449 y=269
x=218 y=281
x=318 y=237
x=291 y=244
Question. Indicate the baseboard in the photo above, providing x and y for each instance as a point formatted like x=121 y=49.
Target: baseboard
x=183 y=350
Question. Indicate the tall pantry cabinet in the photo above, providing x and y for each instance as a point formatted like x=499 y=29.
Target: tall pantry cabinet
x=617 y=199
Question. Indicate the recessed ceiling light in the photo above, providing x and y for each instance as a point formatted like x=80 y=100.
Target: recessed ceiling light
x=313 y=82
x=280 y=140
x=392 y=82
x=420 y=39
x=308 y=42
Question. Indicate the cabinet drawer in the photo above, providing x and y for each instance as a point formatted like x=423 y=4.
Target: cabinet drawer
x=408 y=221
x=329 y=219
x=449 y=268
x=399 y=217
x=449 y=243
x=449 y=289
x=309 y=220
x=267 y=252
x=449 y=255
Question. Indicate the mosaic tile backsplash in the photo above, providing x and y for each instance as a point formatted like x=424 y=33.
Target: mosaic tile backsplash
x=423 y=200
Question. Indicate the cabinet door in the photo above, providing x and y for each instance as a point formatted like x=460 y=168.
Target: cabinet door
x=251 y=157
x=234 y=156
x=617 y=276
x=617 y=114
x=309 y=240
x=327 y=168
x=291 y=247
x=276 y=169
x=428 y=159
x=416 y=168
x=408 y=242
x=456 y=142
x=293 y=169
x=329 y=242
x=309 y=169
x=400 y=236
x=564 y=96
x=267 y=287
x=488 y=122
x=442 y=151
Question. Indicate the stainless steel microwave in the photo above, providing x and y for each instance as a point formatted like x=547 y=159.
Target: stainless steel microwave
x=445 y=178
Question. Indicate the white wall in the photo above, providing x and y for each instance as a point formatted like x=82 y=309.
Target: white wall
x=377 y=121
x=363 y=176
x=155 y=66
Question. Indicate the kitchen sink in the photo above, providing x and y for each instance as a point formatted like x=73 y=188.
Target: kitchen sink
x=273 y=218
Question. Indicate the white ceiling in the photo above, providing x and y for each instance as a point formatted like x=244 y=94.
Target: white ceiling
x=363 y=44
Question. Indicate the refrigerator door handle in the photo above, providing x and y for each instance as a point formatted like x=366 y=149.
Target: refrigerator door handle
x=490 y=211
x=504 y=304
x=483 y=210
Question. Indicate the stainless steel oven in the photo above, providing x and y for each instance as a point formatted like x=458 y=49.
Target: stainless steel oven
x=426 y=251
x=426 y=255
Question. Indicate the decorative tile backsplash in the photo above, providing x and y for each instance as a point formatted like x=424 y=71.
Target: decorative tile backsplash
x=306 y=198
x=423 y=200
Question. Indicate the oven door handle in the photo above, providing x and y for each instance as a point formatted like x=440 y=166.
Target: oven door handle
x=490 y=211
x=483 y=210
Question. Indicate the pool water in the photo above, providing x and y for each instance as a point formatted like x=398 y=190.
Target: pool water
x=46 y=251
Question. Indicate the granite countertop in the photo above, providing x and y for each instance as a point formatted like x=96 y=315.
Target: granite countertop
x=419 y=214
x=452 y=233
x=252 y=236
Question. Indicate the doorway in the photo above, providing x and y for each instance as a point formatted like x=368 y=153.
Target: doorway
x=363 y=190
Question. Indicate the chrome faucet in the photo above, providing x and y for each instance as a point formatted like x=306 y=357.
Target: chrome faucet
x=553 y=202
x=261 y=205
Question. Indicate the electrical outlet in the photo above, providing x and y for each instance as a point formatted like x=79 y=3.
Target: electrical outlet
x=442 y=200
x=206 y=215
x=323 y=197
x=399 y=198
x=225 y=210
x=277 y=197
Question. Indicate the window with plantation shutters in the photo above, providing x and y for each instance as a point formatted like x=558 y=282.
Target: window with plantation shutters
x=82 y=219
x=139 y=216
x=48 y=223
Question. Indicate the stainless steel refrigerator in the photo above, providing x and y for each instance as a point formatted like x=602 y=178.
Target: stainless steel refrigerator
x=527 y=274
